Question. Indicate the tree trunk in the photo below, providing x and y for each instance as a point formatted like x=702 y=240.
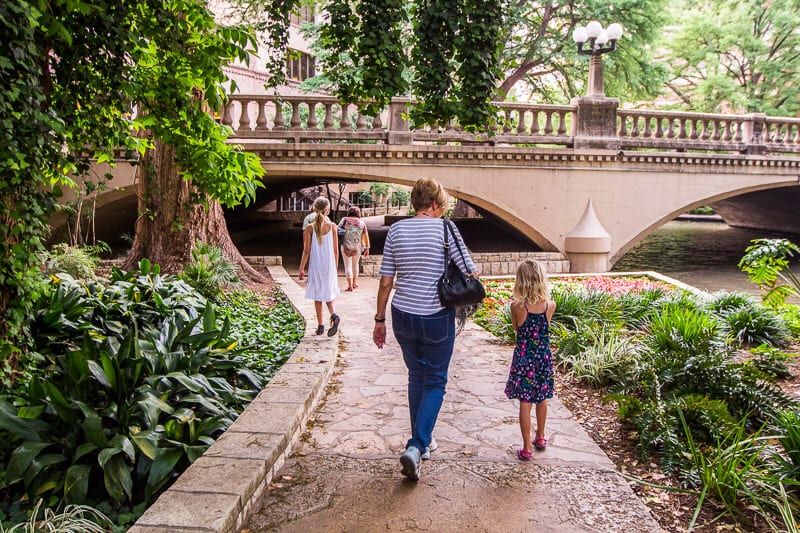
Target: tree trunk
x=172 y=217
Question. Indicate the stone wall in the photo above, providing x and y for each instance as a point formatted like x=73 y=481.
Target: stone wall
x=491 y=263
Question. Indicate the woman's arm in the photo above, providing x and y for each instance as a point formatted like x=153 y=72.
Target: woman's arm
x=335 y=245
x=306 y=250
x=365 y=241
x=384 y=289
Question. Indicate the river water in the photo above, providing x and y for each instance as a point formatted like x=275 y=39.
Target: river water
x=703 y=254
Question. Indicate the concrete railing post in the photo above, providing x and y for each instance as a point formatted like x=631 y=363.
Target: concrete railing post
x=595 y=124
x=399 y=132
x=753 y=133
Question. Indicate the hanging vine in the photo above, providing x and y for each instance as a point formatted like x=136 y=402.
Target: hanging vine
x=436 y=23
x=366 y=59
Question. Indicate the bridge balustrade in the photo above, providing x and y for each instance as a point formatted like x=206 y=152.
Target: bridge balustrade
x=315 y=119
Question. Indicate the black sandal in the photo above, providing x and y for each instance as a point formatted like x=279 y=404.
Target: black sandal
x=320 y=329
x=334 y=325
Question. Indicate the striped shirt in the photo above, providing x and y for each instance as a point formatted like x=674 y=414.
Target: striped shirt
x=414 y=255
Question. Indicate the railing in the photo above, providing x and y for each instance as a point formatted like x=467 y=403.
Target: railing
x=316 y=119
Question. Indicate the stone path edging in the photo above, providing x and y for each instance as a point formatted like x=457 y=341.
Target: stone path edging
x=218 y=491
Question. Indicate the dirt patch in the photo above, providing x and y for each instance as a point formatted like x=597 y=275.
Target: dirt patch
x=672 y=510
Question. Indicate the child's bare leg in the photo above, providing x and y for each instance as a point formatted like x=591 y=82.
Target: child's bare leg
x=541 y=418
x=525 y=424
x=331 y=309
x=318 y=309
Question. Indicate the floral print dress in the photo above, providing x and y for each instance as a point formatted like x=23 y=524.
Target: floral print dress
x=530 y=378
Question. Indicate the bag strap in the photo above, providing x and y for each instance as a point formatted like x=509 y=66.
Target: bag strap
x=448 y=225
x=446 y=246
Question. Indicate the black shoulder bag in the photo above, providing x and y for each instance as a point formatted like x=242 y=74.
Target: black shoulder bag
x=455 y=288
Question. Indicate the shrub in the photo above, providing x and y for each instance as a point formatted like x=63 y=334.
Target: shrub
x=134 y=381
x=755 y=324
x=766 y=263
x=600 y=358
x=723 y=302
x=80 y=262
x=209 y=271
x=267 y=337
x=77 y=518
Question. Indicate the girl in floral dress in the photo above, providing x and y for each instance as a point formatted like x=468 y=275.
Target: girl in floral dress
x=530 y=378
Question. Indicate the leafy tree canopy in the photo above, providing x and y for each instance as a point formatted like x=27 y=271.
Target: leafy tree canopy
x=737 y=56
x=80 y=74
x=540 y=57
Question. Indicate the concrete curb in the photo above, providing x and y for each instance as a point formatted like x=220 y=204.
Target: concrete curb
x=219 y=490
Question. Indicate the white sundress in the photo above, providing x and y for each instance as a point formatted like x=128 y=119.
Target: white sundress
x=323 y=284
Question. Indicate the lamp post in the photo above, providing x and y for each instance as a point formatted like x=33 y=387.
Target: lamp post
x=601 y=41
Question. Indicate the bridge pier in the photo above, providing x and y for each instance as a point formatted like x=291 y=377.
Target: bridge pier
x=588 y=245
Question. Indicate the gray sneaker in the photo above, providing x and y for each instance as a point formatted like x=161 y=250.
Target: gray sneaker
x=410 y=460
x=431 y=448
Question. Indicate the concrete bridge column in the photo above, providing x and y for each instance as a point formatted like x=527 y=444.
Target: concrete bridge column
x=588 y=245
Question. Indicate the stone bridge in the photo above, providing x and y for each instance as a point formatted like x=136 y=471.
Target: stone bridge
x=587 y=179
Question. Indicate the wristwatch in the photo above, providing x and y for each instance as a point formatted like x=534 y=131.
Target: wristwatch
x=380 y=318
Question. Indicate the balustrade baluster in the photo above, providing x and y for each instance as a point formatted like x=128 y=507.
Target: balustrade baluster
x=622 y=131
x=670 y=128
x=648 y=132
x=344 y=121
x=377 y=123
x=261 y=119
x=227 y=114
x=535 y=126
x=506 y=120
x=562 y=122
x=716 y=135
x=726 y=131
x=548 y=122
x=244 y=118
x=294 y=122
x=704 y=133
x=312 y=116
x=796 y=134
x=682 y=133
x=521 y=126
x=737 y=132
x=327 y=123
x=278 y=123
x=786 y=132
x=693 y=134
x=635 y=127
x=361 y=123
x=659 y=127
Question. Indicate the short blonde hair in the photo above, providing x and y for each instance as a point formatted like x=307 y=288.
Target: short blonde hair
x=531 y=284
x=425 y=192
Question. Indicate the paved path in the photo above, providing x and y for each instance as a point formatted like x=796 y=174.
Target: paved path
x=344 y=474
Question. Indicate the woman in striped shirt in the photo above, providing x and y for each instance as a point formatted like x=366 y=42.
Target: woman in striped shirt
x=413 y=262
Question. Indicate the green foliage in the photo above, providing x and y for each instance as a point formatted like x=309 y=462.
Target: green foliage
x=364 y=57
x=209 y=271
x=71 y=71
x=400 y=197
x=754 y=324
x=129 y=384
x=267 y=337
x=539 y=53
x=600 y=359
x=736 y=56
x=767 y=263
x=80 y=262
x=73 y=519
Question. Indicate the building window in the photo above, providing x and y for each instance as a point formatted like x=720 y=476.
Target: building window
x=299 y=65
x=304 y=14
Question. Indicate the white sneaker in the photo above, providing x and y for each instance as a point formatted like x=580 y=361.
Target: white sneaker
x=431 y=447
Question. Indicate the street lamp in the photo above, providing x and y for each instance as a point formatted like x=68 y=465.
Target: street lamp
x=598 y=39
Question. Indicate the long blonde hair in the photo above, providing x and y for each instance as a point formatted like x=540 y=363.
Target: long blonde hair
x=322 y=207
x=531 y=284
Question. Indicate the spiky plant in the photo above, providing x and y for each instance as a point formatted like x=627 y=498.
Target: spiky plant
x=723 y=302
x=753 y=324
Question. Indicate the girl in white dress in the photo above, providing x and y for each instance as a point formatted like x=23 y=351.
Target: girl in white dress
x=321 y=254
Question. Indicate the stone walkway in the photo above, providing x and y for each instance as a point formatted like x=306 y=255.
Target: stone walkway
x=343 y=474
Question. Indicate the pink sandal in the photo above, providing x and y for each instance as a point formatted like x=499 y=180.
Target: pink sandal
x=540 y=444
x=524 y=455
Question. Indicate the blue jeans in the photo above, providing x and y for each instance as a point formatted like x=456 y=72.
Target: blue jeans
x=427 y=344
